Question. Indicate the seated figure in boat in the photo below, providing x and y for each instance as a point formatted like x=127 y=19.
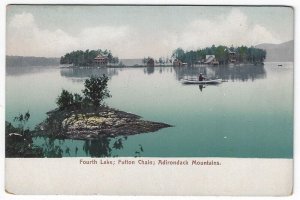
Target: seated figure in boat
x=201 y=77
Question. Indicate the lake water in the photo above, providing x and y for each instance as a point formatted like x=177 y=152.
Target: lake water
x=249 y=115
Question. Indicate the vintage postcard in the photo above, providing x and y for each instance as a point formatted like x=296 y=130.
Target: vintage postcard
x=149 y=100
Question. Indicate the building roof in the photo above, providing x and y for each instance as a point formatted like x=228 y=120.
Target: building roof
x=233 y=52
x=100 y=56
x=209 y=56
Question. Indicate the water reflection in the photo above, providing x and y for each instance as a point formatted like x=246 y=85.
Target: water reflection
x=201 y=86
x=161 y=69
x=139 y=152
x=98 y=148
x=102 y=147
x=234 y=73
x=51 y=149
x=19 y=71
x=149 y=70
x=79 y=74
x=239 y=72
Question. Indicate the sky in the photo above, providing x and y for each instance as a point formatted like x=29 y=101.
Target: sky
x=141 y=31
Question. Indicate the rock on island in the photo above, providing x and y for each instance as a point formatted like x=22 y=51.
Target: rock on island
x=94 y=123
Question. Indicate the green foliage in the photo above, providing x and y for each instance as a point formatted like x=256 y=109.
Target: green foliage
x=18 y=140
x=94 y=92
x=77 y=100
x=65 y=100
x=86 y=58
x=146 y=60
x=22 y=119
x=96 y=89
x=244 y=54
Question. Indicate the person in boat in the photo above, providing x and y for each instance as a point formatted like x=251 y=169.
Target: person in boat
x=201 y=77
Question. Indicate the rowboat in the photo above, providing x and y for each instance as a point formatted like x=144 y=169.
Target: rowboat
x=208 y=81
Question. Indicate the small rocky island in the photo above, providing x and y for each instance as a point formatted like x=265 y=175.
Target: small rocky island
x=78 y=116
x=85 y=117
x=91 y=123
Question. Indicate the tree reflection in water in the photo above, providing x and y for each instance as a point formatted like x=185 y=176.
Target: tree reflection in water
x=102 y=147
x=149 y=70
x=80 y=74
x=98 y=148
x=234 y=73
x=139 y=151
x=50 y=149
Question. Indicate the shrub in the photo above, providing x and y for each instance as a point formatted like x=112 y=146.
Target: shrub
x=65 y=100
x=94 y=93
x=18 y=140
x=78 y=100
x=96 y=89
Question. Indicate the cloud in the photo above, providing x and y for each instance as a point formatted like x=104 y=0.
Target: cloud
x=233 y=29
x=117 y=39
x=22 y=20
x=25 y=37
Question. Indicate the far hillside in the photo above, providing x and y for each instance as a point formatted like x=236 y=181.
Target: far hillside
x=283 y=52
x=22 y=61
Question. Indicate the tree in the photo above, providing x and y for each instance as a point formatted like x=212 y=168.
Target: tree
x=160 y=60
x=178 y=54
x=18 y=140
x=22 y=119
x=96 y=89
x=145 y=60
x=65 y=100
x=77 y=100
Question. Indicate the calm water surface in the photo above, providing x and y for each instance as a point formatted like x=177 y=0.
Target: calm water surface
x=250 y=115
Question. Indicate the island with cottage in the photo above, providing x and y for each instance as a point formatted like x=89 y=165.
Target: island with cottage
x=215 y=56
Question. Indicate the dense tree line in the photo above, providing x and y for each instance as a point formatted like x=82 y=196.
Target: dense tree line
x=243 y=54
x=21 y=61
x=86 y=58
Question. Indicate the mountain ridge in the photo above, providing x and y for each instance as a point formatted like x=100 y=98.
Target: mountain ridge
x=283 y=52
